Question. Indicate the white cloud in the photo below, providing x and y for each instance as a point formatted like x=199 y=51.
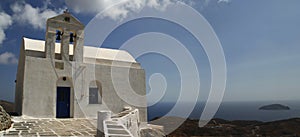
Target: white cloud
x=120 y=11
x=8 y=58
x=24 y=13
x=5 y=22
x=224 y=1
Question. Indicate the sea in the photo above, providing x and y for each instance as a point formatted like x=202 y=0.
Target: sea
x=230 y=110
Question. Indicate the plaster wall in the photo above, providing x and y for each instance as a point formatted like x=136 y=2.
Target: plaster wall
x=41 y=79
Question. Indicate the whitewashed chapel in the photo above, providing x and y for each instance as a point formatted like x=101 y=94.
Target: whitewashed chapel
x=62 y=78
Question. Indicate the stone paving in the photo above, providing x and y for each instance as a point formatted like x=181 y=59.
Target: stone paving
x=51 y=127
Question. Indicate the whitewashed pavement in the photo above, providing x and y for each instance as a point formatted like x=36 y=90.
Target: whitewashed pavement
x=51 y=127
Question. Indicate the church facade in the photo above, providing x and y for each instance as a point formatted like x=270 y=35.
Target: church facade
x=62 y=78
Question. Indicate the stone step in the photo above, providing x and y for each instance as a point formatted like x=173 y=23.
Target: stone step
x=114 y=126
x=111 y=123
x=118 y=131
x=118 y=135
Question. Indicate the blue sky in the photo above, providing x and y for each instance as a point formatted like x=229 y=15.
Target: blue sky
x=261 y=42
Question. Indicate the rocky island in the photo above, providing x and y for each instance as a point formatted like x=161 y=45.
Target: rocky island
x=274 y=107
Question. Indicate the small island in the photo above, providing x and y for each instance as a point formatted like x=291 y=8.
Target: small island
x=274 y=107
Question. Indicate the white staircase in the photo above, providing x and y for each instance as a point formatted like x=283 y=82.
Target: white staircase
x=124 y=124
x=113 y=128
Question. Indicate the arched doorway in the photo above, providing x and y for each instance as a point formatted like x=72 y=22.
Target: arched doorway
x=63 y=98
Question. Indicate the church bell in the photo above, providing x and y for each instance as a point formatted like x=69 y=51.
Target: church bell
x=72 y=37
x=58 y=35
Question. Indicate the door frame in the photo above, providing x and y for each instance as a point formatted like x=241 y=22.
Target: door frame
x=68 y=103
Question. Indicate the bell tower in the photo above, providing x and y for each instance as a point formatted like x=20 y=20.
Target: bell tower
x=64 y=30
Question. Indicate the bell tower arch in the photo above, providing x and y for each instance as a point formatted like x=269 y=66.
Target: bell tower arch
x=62 y=31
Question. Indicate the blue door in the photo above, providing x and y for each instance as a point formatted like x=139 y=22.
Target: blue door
x=63 y=102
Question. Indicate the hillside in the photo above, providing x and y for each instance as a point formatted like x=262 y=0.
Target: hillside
x=224 y=128
x=8 y=106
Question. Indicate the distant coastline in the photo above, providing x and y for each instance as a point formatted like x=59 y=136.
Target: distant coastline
x=231 y=110
x=274 y=107
x=220 y=127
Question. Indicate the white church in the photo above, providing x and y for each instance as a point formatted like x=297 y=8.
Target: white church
x=62 y=78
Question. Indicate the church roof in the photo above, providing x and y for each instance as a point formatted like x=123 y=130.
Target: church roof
x=89 y=51
x=70 y=19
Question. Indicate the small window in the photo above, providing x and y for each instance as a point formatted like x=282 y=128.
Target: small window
x=95 y=93
x=67 y=19
x=59 y=65
x=93 y=99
